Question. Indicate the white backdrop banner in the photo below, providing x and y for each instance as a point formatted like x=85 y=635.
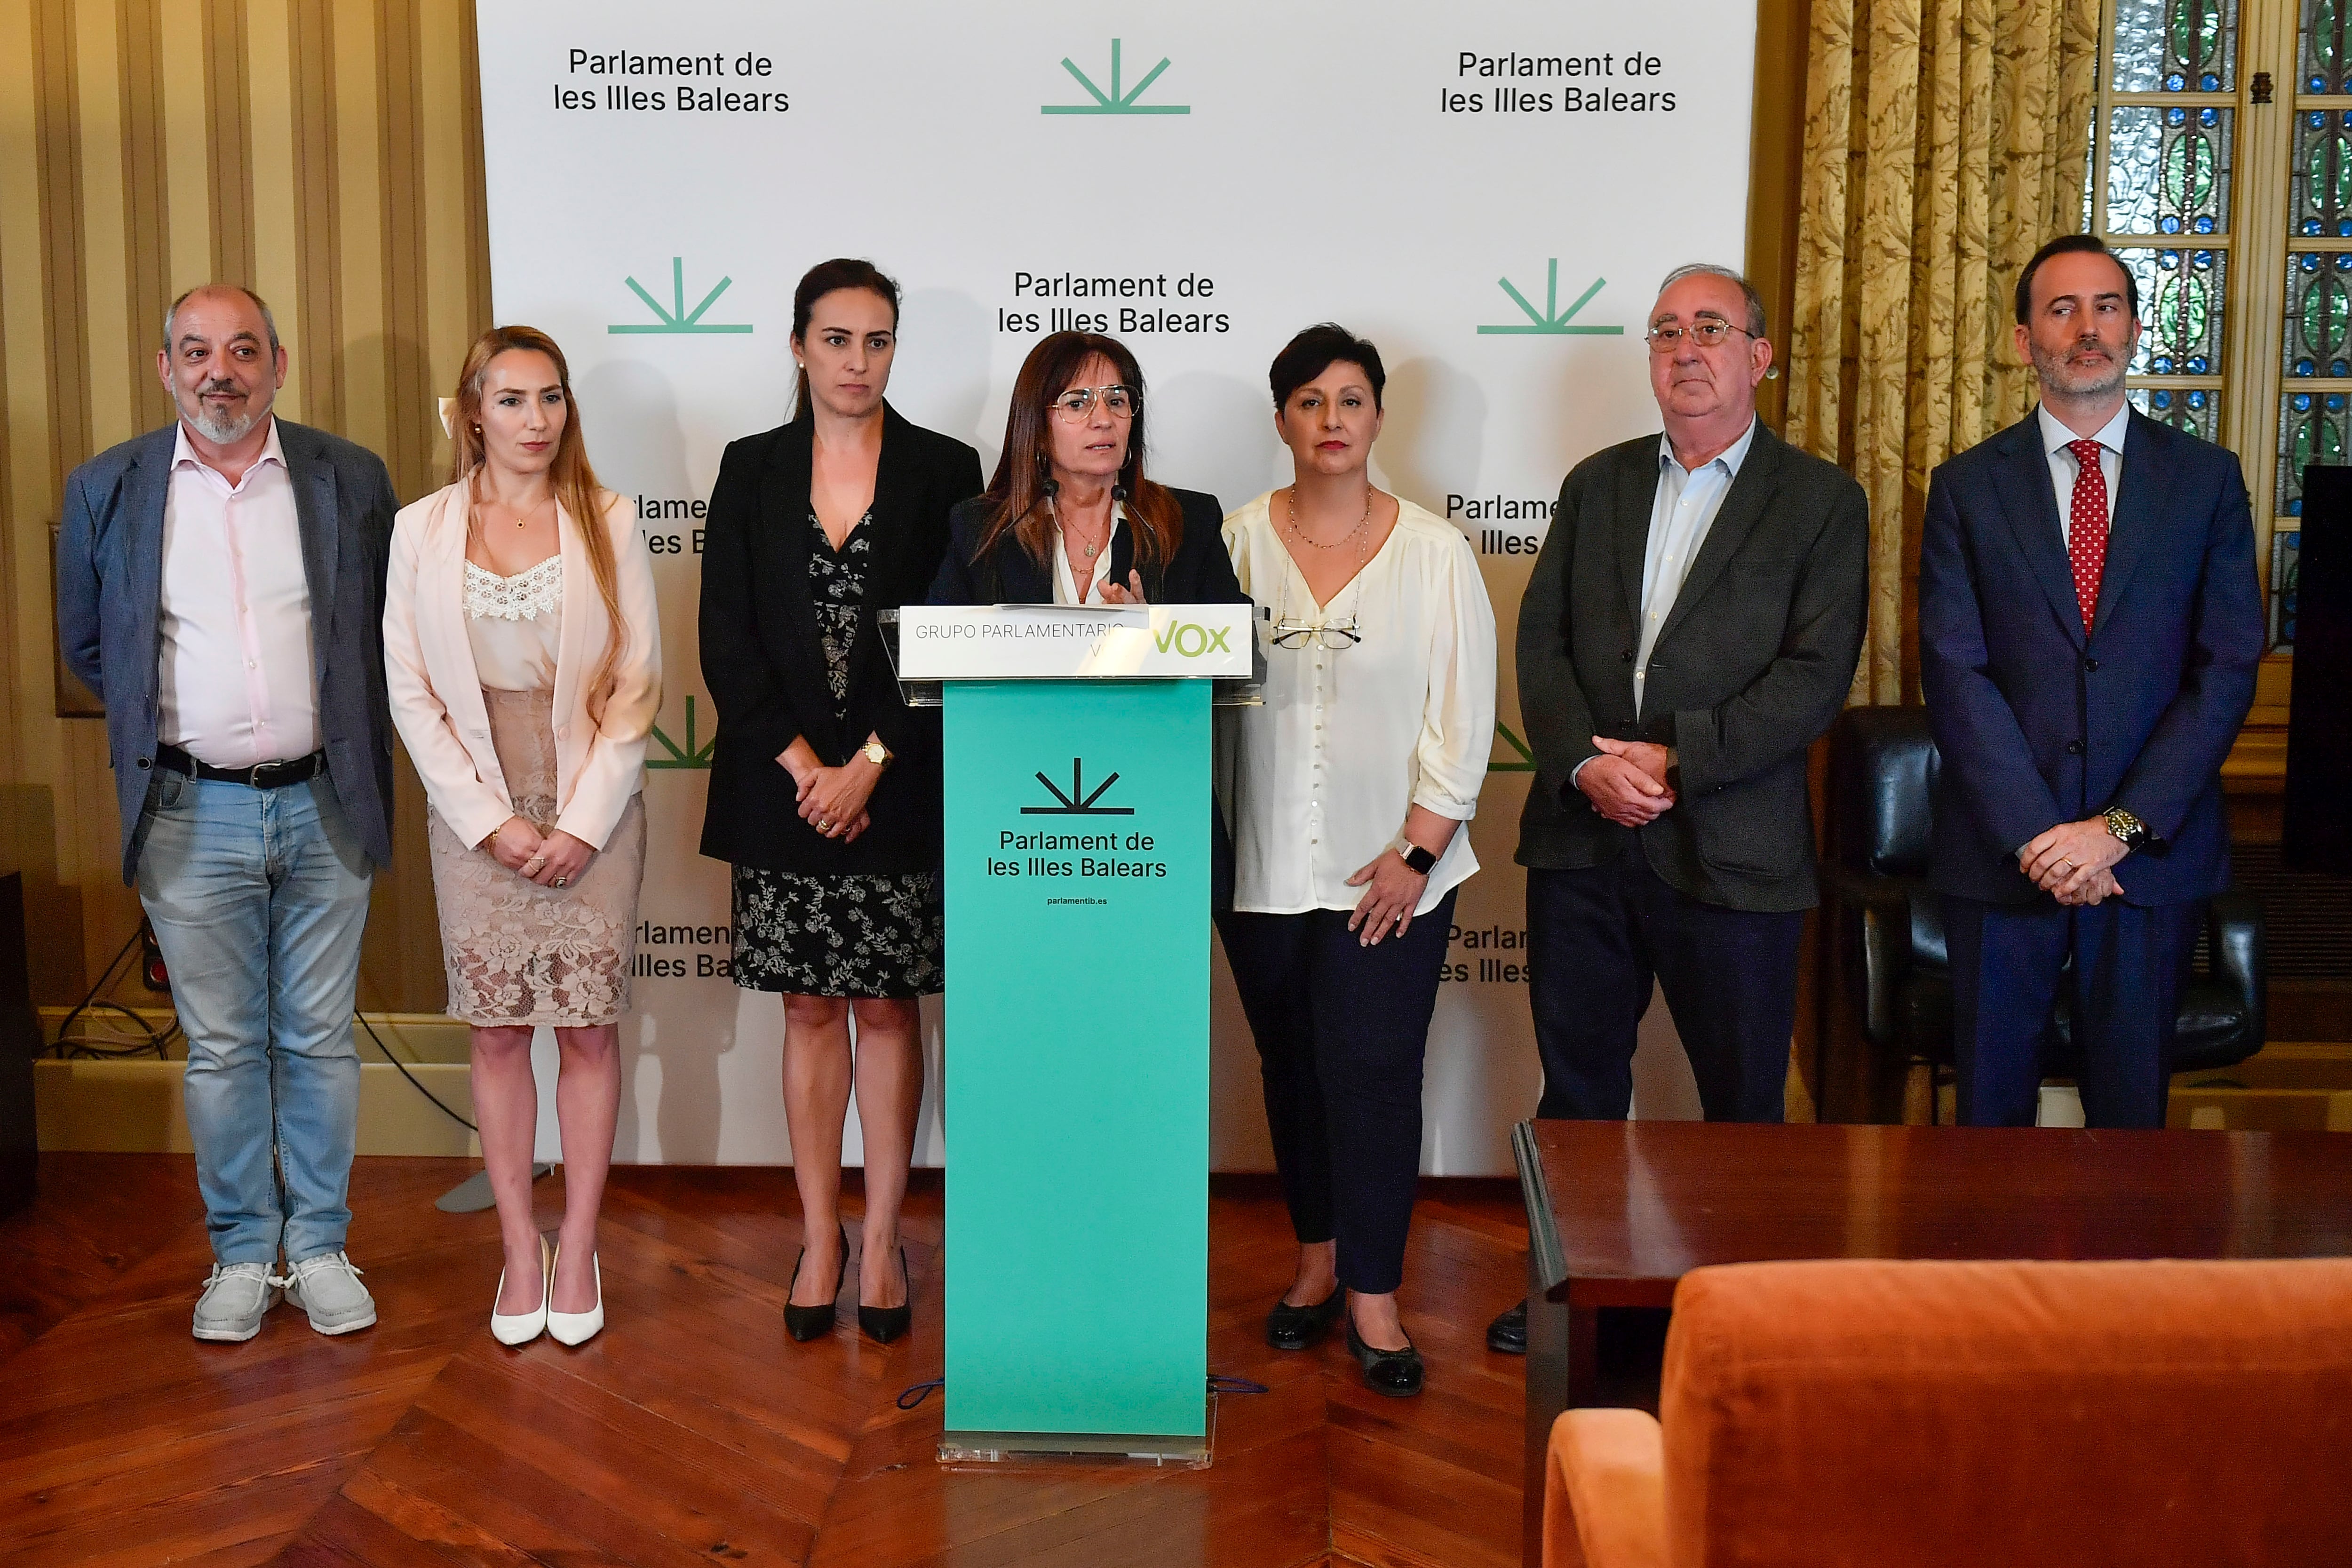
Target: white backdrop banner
x=1490 y=190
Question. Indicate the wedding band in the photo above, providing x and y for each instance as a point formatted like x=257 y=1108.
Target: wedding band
x=825 y=825
x=2068 y=864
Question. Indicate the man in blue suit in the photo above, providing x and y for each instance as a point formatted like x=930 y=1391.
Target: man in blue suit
x=2089 y=625
x=220 y=586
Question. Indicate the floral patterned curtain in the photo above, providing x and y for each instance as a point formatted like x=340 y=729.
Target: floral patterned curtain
x=1945 y=139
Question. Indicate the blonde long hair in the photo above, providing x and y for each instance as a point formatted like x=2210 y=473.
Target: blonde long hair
x=576 y=489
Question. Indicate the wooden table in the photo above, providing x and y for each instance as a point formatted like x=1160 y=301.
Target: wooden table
x=1619 y=1211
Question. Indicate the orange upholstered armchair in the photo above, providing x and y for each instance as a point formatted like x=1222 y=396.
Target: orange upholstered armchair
x=2001 y=1414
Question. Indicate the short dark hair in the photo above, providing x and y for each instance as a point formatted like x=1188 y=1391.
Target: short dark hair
x=2066 y=243
x=824 y=278
x=1317 y=350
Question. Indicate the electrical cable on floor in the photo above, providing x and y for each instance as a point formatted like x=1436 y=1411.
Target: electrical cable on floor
x=411 y=1077
x=88 y=1046
x=914 y=1394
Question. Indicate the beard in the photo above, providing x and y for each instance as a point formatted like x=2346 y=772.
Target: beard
x=222 y=429
x=2061 y=374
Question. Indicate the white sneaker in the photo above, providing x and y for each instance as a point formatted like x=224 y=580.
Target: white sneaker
x=236 y=1296
x=522 y=1328
x=576 y=1328
x=328 y=1288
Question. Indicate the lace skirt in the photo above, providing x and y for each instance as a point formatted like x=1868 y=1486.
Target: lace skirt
x=518 y=952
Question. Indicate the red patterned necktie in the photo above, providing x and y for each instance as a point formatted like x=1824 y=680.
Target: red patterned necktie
x=2086 y=527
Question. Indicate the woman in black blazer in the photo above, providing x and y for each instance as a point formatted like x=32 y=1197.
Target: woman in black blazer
x=825 y=787
x=1069 y=518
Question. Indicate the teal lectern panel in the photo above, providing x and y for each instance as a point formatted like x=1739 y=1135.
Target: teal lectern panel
x=1077 y=1057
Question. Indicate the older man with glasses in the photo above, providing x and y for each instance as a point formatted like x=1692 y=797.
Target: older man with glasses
x=1690 y=628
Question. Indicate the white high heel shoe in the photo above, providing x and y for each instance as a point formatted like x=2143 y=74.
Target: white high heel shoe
x=576 y=1328
x=522 y=1328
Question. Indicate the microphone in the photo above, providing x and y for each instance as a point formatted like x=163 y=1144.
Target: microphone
x=1049 y=489
x=1119 y=492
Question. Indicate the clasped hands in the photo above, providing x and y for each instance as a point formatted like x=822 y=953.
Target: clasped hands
x=1627 y=782
x=551 y=858
x=2072 y=862
x=830 y=800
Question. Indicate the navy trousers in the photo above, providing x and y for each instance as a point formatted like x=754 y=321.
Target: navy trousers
x=2008 y=961
x=1342 y=1032
x=1598 y=935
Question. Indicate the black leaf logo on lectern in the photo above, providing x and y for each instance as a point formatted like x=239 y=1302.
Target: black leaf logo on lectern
x=1077 y=803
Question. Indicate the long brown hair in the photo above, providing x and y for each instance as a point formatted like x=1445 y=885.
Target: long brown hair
x=1016 y=495
x=576 y=489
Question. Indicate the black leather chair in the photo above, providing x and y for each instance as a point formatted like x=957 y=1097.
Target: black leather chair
x=1886 y=991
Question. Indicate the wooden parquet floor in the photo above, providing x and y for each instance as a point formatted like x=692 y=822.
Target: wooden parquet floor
x=692 y=1431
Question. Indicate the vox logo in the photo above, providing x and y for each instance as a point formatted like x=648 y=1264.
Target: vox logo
x=1190 y=639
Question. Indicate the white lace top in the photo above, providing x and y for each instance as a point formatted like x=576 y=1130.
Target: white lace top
x=512 y=624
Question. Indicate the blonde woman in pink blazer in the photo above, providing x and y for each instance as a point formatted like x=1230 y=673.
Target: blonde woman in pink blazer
x=523 y=659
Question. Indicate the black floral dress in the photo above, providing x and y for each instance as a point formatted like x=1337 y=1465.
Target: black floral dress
x=852 y=935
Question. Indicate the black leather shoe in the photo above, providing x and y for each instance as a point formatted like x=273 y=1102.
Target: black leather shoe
x=1396 y=1373
x=1508 y=1331
x=882 y=1324
x=806 y=1323
x=1289 y=1328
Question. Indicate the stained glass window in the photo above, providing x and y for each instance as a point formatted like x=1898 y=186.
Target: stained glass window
x=2182 y=302
x=2325 y=46
x=2164 y=47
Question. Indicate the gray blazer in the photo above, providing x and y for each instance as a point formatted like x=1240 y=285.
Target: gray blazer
x=1751 y=665
x=109 y=590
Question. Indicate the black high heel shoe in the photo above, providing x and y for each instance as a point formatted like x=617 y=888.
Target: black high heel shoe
x=882 y=1324
x=1289 y=1328
x=806 y=1323
x=1396 y=1373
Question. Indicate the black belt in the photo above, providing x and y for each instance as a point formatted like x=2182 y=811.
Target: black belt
x=261 y=775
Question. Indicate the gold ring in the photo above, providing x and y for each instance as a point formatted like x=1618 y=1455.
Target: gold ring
x=825 y=825
x=561 y=880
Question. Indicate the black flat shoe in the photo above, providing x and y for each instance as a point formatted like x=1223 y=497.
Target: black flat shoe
x=1508 y=1332
x=1289 y=1328
x=882 y=1324
x=806 y=1323
x=1396 y=1373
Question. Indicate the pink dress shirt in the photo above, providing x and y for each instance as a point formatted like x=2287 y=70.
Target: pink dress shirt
x=237 y=683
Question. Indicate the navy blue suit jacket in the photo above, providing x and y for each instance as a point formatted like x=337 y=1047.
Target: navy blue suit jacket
x=109 y=595
x=2037 y=724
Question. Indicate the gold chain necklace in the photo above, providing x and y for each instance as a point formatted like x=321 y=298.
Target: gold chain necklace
x=1357 y=533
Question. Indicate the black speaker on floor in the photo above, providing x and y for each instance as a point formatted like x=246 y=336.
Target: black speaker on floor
x=2317 y=613
x=20 y=1042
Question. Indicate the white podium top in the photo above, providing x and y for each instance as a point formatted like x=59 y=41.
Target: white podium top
x=1072 y=642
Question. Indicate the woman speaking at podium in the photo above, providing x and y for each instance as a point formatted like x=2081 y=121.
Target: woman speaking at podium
x=1354 y=780
x=522 y=655
x=825 y=787
x=1069 y=518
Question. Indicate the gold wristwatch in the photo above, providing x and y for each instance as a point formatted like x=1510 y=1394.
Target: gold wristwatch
x=876 y=751
x=2129 y=830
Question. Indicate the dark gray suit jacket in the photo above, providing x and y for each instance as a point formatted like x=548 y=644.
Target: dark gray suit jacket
x=110 y=592
x=1752 y=664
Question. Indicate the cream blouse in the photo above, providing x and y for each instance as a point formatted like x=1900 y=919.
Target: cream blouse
x=513 y=624
x=1347 y=743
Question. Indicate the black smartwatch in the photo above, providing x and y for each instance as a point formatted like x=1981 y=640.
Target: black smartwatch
x=1416 y=859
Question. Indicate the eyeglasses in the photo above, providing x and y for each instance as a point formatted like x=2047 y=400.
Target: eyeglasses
x=1707 y=333
x=1118 y=402
x=1339 y=638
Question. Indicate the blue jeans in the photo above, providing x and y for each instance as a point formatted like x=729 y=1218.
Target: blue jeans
x=258 y=897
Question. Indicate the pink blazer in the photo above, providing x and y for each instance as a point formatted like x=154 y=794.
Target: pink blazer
x=437 y=692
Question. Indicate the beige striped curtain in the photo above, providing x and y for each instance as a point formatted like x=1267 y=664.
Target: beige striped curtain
x=1945 y=139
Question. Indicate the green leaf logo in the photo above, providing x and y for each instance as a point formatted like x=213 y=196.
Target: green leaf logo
x=1115 y=101
x=688 y=755
x=1527 y=763
x=677 y=318
x=1551 y=320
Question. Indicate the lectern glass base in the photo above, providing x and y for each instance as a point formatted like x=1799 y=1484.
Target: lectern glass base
x=1156 y=1448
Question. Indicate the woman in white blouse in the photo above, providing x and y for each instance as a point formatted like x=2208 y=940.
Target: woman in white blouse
x=1351 y=790
x=523 y=660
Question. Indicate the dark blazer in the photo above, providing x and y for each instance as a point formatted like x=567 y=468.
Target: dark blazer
x=1200 y=573
x=765 y=667
x=2037 y=724
x=1752 y=663
x=109 y=593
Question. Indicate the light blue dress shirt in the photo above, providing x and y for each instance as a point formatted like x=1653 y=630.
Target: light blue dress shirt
x=1680 y=516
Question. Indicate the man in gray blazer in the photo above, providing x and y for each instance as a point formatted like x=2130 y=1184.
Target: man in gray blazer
x=1690 y=628
x=220 y=586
